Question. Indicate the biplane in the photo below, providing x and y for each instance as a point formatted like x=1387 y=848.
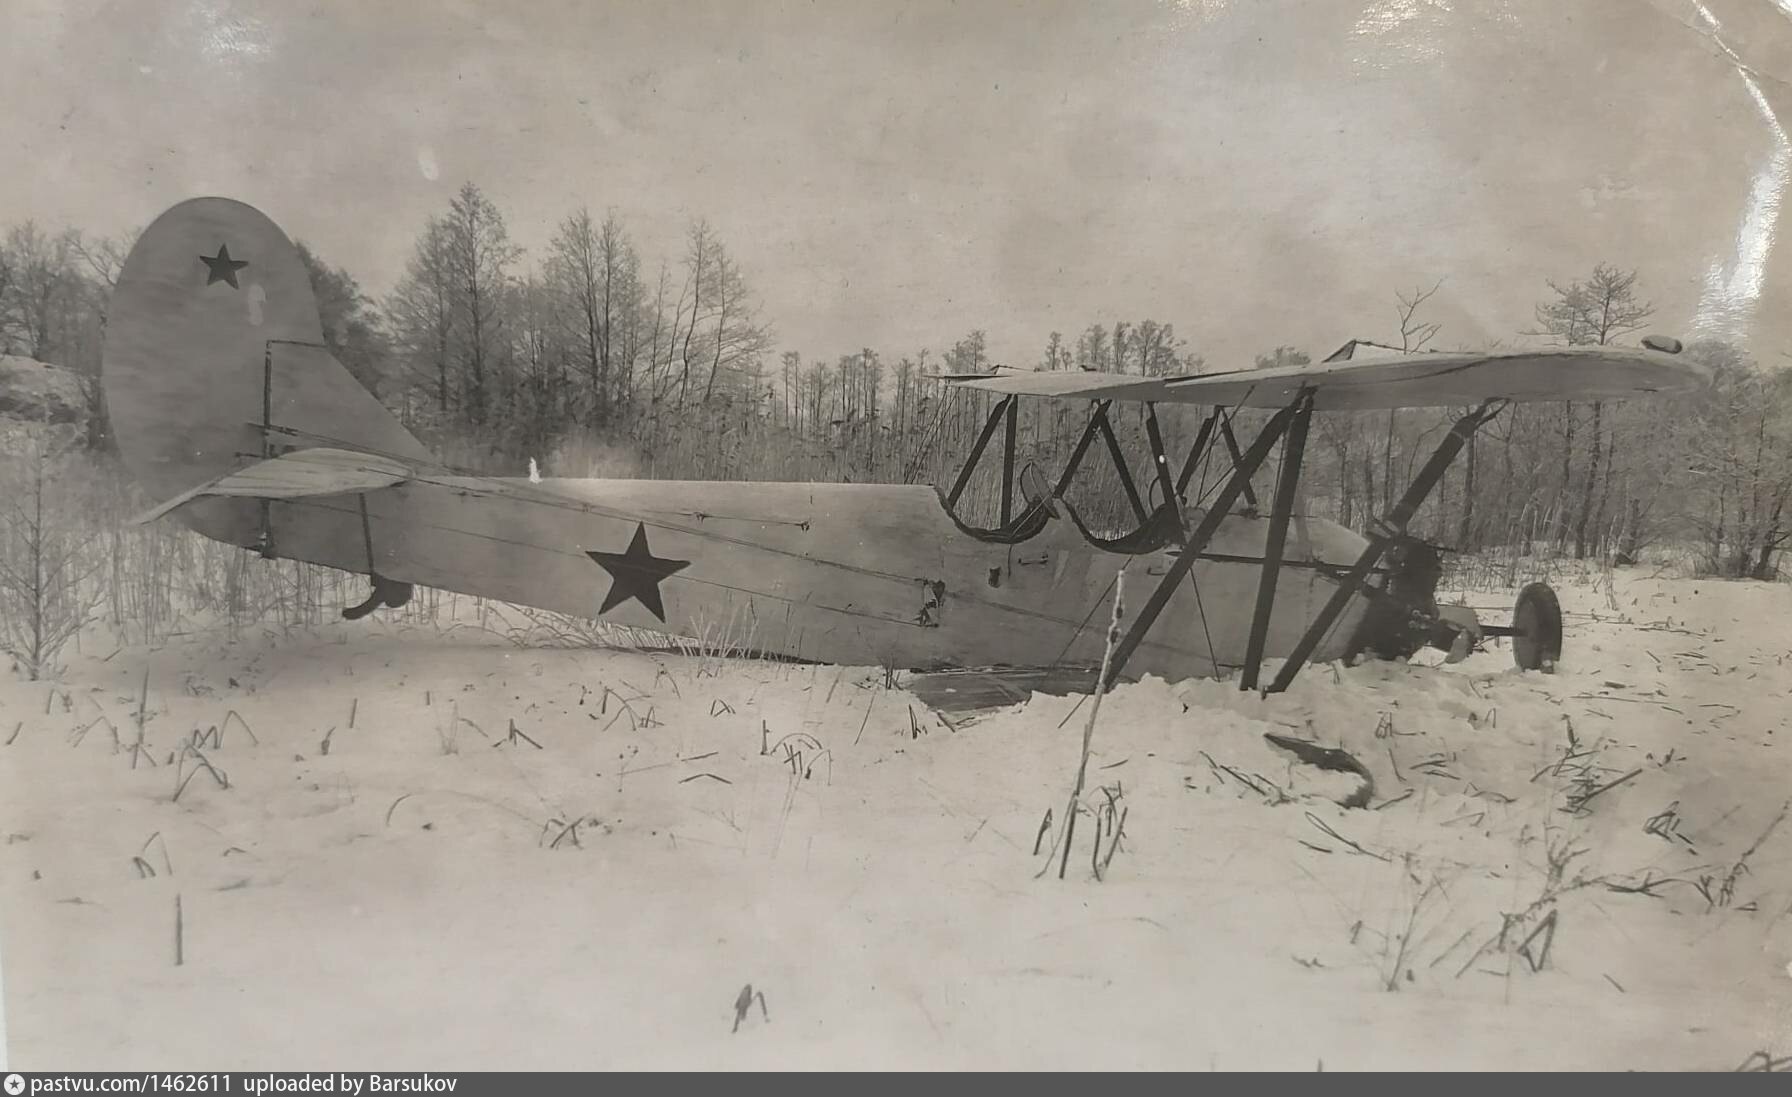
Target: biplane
x=230 y=410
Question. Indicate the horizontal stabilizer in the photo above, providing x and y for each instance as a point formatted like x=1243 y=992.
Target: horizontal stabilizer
x=295 y=475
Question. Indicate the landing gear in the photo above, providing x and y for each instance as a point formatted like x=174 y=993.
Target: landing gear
x=1537 y=629
x=1403 y=616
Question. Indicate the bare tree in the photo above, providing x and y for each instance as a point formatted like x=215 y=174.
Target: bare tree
x=479 y=254
x=45 y=598
x=1415 y=336
x=421 y=309
x=1591 y=312
x=699 y=262
x=1738 y=460
x=662 y=339
x=353 y=328
x=1092 y=350
x=595 y=269
x=41 y=280
x=736 y=337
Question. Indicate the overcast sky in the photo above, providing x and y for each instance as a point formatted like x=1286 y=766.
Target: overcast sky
x=895 y=174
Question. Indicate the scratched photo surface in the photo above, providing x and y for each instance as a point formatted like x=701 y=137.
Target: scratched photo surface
x=1127 y=535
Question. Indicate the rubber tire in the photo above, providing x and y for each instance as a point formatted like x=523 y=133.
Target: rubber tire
x=1537 y=625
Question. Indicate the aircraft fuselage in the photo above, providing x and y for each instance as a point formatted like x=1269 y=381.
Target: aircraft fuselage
x=857 y=574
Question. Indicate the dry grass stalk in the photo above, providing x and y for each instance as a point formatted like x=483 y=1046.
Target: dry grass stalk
x=1539 y=919
x=184 y=776
x=242 y=723
x=1062 y=846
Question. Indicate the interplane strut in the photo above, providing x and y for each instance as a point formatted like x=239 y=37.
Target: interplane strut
x=1380 y=541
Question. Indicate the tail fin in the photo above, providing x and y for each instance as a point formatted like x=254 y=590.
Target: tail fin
x=214 y=359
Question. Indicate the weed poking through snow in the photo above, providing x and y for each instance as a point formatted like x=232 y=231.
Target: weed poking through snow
x=743 y=1002
x=1062 y=845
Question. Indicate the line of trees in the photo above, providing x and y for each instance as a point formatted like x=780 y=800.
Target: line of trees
x=598 y=360
x=581 y=341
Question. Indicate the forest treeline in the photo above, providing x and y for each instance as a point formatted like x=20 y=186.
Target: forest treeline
x=595 y=359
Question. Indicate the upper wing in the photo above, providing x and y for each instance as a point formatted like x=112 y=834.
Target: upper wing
x=1451 y=380
x=1070 y=384
x=1389 y=380
x=296 y=475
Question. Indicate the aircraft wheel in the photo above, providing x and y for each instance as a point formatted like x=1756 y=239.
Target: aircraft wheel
x=1537 y=629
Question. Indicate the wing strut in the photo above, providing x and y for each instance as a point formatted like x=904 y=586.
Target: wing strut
x=1250 y=495
x=1195 y=452
x=1009 y=430
x=1120 y=465
x=1166 y=480
x=1082 y=448
x=1294 y=449
x=1217 y=513
x=1394 y=527
x=970 y=463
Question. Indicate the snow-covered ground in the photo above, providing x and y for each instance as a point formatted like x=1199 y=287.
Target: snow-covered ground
x=381 y=876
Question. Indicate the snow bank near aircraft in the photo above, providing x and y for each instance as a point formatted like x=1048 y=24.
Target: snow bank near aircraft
x=392 y=877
